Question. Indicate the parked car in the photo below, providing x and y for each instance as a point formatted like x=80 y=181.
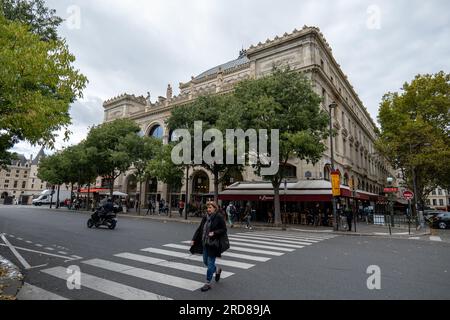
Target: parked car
x=442 y=220
x=429 y=215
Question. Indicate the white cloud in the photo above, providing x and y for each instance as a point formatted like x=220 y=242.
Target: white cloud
x=139 y=46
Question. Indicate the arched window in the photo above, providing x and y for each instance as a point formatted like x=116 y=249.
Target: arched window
x=156 y=132
x=200 y=183
x=346 y=179
x=289 y=171
x=172 y=136
x=326 y=173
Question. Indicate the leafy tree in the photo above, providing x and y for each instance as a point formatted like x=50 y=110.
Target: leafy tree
x=162 y=168
x=285 y=101
x=414 y=136
x=213 y=111
x=37 y=84
x=143 y=150
x=107 y=143
x=33 y=13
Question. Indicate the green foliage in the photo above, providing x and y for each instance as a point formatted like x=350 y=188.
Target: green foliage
x=415 y=131
x=286 y=101
x=108 y=144
x=215 y=112
x=38 y=82
x=33 y=13
x=162 y=167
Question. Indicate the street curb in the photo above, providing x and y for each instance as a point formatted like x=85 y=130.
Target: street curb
x=279 y=228
x=11 y=282
x=166 y=219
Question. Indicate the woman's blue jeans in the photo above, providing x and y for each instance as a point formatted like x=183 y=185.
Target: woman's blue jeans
x=209 y=262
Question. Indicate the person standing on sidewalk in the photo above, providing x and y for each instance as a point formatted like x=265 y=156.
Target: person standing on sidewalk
x=349 y=214
x=211 y=240
x=181 y=207
x=231 y=212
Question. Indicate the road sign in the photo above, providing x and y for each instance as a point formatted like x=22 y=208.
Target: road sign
x=408 y=195
x=336 y=183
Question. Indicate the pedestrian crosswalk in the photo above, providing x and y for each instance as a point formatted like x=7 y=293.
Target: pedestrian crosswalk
x=171 y=266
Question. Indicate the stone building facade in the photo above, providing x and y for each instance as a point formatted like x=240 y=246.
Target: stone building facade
x=19 y=180
x=304 y=50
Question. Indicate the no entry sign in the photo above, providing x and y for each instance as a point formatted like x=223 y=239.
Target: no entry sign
x=408 y=195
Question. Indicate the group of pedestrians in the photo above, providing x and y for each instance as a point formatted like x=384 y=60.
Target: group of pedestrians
x=233 y=214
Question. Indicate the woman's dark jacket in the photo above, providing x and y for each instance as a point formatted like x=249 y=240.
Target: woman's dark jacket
x=219 y=243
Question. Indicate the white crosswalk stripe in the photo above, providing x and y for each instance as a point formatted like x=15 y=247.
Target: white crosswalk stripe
x=235 y=238
x=277 y=240
x=254 y=247
x=225 y=254
x=266 y=252
x=186 y=256
x=169 y=264
x=307 y=239
x=108 y=287
x=146 y=274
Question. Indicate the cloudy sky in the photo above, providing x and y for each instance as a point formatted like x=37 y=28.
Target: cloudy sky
x=137 y=46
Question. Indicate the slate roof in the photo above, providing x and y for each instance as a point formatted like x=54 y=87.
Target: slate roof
x=229 y=65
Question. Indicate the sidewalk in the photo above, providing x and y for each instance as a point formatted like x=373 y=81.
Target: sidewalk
x=11 y=280
x=362 y=229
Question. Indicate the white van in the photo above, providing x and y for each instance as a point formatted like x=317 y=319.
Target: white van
x=46 y=196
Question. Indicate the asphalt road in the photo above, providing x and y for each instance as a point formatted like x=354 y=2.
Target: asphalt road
x=261 y=265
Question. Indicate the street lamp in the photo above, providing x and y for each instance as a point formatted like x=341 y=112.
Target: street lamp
x=186 y=204
x=390 y=180
x=332 y=106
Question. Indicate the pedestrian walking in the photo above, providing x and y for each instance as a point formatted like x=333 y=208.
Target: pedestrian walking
x=181 y=207
x=231 y=212
x=211 y=240
x=349 y=214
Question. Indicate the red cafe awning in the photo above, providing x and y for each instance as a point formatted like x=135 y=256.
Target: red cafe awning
x=92 y=190
x=301 y=191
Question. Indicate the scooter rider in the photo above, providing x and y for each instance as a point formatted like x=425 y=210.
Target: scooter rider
x=106 y=208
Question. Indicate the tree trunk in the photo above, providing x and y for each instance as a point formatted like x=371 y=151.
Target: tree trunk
x=111 y=185
x=216 y=186
x=140 y=198
x=88 y=204
x=169 y=201
x=277 y=214
x=57 y=198
x=71 y=195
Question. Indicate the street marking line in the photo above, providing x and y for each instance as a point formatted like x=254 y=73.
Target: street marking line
x=278 y=237
x=63 y=252
x=76 y=257
x=29 y=242
x=41 y=252
x=270 y=253
x=14 y=251
x=287 y=236
x=252 y=245
x=39 y=245
x=30 y=292
x=153 y=276
x=108 y=287
x=435 y=238
x=226 y=254
x=274 y=240
x=168 y=264
x=19 y=239
x=266 y=242
x=188 y=256
x=49 y=249
x=414 y=238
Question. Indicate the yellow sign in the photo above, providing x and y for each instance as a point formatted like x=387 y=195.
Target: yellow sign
x=336 y=184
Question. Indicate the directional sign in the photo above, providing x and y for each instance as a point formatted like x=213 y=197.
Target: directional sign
x=408 y=195
x=336 y=183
